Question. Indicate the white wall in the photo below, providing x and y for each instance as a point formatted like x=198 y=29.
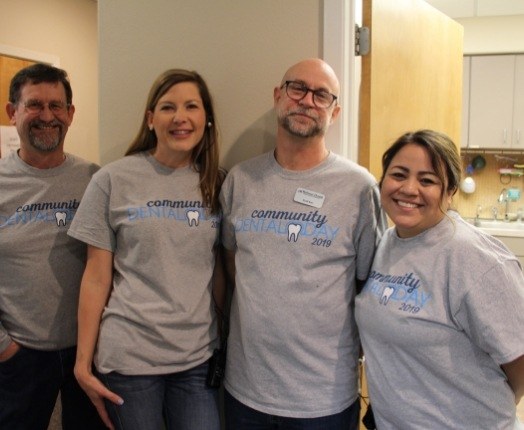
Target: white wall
x=491 y=35
x=482 y=8
x=338 y=37
x=241 y=47
x=490 y=26
x=66 y=29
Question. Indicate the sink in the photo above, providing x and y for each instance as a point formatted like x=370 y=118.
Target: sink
x=489 y=223
x=500 y=228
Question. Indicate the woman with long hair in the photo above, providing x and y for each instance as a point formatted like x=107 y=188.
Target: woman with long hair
x=151 y=220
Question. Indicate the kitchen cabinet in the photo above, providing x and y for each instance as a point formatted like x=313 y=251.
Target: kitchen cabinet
x=515 y=245
x=518 y=103
x=495 y=115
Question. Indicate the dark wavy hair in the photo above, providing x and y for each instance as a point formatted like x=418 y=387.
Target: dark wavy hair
x=205 y=156
x=36 y=74
x=443 y=153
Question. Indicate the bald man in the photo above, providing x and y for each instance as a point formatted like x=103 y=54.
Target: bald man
x=300 y=228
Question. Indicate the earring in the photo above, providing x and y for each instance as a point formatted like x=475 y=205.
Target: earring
x=210 y=124
x=151 y=127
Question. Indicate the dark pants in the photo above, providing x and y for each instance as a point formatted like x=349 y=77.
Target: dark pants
x=179 y=401
x=29 y=386
x=242 y=417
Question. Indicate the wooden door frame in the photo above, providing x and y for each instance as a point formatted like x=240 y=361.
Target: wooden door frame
x=26 y=54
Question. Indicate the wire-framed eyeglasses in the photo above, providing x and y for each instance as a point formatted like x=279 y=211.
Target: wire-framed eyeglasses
x=297 y=91
x=37 y=106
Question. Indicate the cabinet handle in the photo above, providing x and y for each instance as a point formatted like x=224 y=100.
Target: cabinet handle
x=518 y=136
x=505 y=136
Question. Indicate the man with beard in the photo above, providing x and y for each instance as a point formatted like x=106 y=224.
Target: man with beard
x=41 y=188
x=300 y=227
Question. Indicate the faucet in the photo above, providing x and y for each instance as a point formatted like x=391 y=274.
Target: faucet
x=477 y=216
x=504 y=198
x=494 y=212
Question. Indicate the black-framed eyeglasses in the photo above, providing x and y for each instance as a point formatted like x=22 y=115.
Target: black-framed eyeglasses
x=37 y=106
x=297 y=91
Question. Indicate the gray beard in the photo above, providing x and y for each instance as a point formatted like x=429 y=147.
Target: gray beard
x=45 y=145
x=300 y=131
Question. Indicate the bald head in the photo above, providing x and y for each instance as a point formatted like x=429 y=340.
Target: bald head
x=308 y=109
x=314 y=72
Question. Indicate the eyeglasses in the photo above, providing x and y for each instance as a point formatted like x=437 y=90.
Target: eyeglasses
x=37 y=106
x=297 y=91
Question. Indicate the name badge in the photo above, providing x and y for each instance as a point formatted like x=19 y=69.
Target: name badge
x=309 y=198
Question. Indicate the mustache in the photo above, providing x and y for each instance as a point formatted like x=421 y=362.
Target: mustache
x=39 y=123
x=303 y=111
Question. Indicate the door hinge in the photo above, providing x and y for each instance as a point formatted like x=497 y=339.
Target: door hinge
x=361 y=40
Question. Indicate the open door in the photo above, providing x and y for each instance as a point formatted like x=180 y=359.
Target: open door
x=411 y=78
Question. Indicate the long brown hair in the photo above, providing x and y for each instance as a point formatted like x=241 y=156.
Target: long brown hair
x=204 y=157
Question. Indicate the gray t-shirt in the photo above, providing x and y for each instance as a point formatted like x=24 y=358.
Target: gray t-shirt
x=301 y=238
x=41 y=266
x=160 y=317
x=439 y=314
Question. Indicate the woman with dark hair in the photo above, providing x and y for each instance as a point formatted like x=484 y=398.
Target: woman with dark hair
x=146 y=312
x=441 y=316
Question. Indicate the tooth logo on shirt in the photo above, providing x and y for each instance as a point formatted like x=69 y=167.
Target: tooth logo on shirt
x=193 y=218
x=293 y=231
x=60 y=218
x=386 y=295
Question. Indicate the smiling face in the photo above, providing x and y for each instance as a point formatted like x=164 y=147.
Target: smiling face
x=41 y=131
x=411 y=192
x=179 y=121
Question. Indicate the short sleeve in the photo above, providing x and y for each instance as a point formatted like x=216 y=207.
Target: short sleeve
x=492 y=313
x=91 y=223
x=226 y=202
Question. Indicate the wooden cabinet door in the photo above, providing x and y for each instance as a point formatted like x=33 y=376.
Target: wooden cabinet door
x=466 y=68
x=518 y=104
x=9 y=66
x=491 y=101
